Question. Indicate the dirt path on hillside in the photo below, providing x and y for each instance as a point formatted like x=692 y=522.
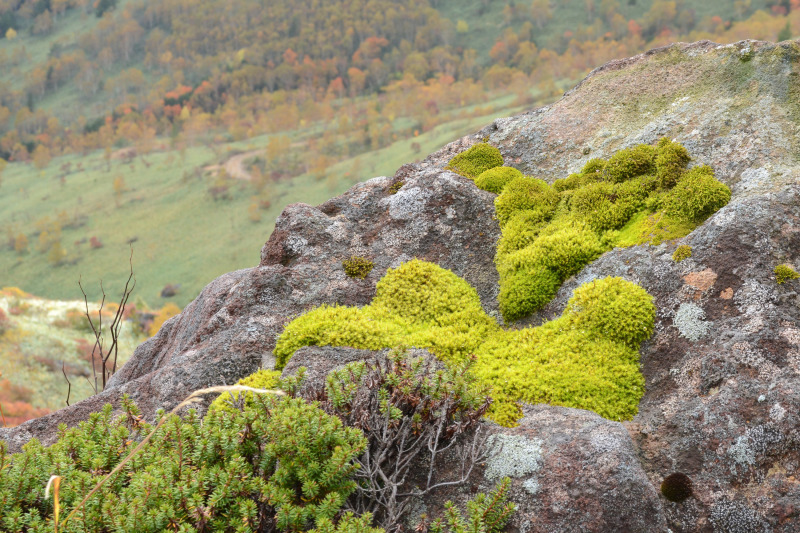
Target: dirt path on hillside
x=234 y=167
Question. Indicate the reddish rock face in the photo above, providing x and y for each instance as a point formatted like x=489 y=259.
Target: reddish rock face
x=722 y=369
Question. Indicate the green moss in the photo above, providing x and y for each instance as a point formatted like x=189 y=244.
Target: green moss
x=629 y=163
x=420 y=304
x=784 y=273
x=642 y=195
x=357 y=267
x=671 y=161
x=476 y=160
x=684 y=251
x=395 y=187
x=416 y=304
x=262 y=379
x=495 y=179
x=696 y=196
x=526 y=291
x=526 y=194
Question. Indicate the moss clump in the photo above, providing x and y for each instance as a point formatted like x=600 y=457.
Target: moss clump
x=641 y=195
x=784 y=273
x=420 y=304
x=357 y=267
x=629 y=163
x=416 y=304
x=696 y=196
x=262 y=379
x=495 y=179
x=476 y=160
x=676 y=487
x=684 y=251
x=396 y=186
x=526 y=194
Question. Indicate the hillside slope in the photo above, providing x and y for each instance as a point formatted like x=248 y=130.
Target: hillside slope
x=722 y=369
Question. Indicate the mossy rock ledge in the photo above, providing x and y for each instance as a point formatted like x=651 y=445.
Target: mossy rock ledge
x=721 y=371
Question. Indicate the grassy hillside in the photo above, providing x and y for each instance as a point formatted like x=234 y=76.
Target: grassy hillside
x=180 y=234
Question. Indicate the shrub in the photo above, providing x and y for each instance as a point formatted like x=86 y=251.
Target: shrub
x=162 y=315
x=684 y=251
x=784 y=273
x=495 y=179
x=521 y=194
x=485 y=514
x=696 y=196
x=357 y=267
x=476 y=160
x=278 y=464
x=411 y=411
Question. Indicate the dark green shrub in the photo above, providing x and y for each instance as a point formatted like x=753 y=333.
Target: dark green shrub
x=784 y=273
x=485 y=514
x=357 y=267
x=495 y=179
x=476 y=160
x=696 y=196
x=279 y=463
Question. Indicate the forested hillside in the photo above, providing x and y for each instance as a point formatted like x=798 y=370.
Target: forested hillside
x=127 y=122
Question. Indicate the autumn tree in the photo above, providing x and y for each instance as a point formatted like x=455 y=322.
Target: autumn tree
x=41 y=157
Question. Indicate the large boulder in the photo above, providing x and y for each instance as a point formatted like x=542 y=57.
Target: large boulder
x=723 y=367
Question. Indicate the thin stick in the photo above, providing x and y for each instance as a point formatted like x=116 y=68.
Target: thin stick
x=69 y=385
x=190 y=399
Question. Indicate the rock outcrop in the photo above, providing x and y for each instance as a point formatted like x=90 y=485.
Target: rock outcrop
x=722 y=369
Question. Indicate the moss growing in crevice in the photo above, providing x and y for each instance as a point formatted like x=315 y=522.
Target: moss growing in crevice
x=357 y=267
x=423 y=305
x=681 y=253
x=784 y=273
x=641 y=195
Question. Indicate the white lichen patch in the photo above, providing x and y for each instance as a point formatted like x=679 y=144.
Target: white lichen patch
x=777 y=412
x=690 y=321
x=513 y=456
x=742 y=453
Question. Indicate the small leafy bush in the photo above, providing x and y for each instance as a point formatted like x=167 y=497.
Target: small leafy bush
x=412 y=411
x=485 y=514
x=784 y=273
x=279 y=464
x=476 y=160
x=357 y=267
x=682 y=252
x=495 y=179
